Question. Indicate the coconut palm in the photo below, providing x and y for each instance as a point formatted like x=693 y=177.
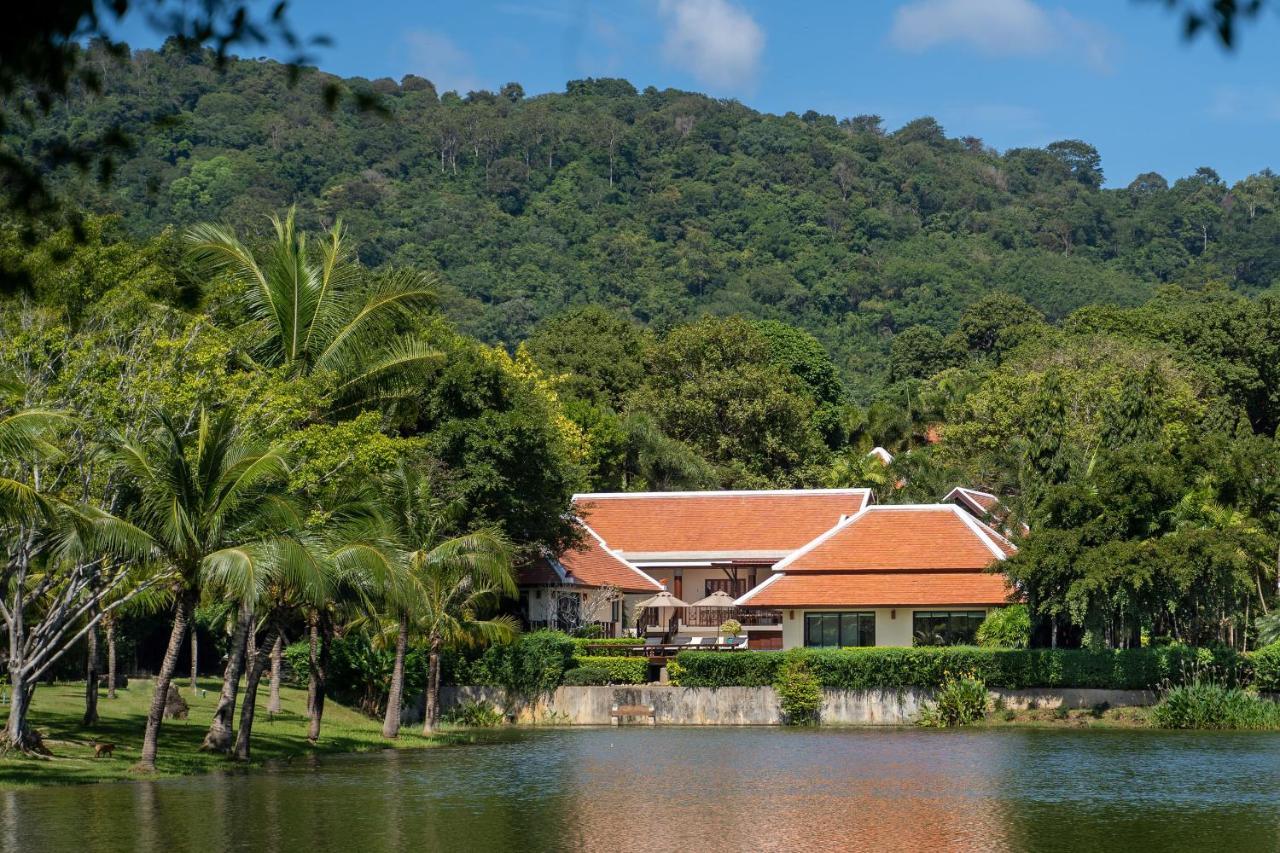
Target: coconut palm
x=449 y=578
x=455 y=582
x=211 y=503
x=313 y=312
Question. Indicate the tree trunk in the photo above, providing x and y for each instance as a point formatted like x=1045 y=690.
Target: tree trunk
x=257 y=665
x=219 y=736
x=395 y=695
x=433 y=689
x=91 y=678
x=319 y=661
x=111 y=659
x=277 y=664
x=195 y=657
x=17 y=733
x=151 y=739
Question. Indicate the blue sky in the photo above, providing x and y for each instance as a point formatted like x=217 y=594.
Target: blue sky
x=1115 y=73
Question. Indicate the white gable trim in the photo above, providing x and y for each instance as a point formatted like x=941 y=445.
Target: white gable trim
x=972 y=524
x=788 y=560
x=777 y=576
x=724 y=493
x=617 y=556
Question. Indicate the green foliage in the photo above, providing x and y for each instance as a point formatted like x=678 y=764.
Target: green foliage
x=1006 y=628
x=884 y=667
x=535 y=663
x=587 y=676
x=1207 y=705
x=799 y=692
x=960 y=701
x=479 y=715
x=359 y=674
x=617 y=670
x=1266 y=668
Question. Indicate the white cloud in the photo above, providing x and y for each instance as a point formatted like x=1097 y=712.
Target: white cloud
x=1000 y=28
x=1252 y=105
x=435 y=57
x=716 y=41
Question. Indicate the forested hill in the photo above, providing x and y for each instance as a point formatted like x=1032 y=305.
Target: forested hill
x=663 y=204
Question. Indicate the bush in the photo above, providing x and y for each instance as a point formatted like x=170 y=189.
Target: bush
x=613 y=647
x=869 y=668
x=1266 y=668
x=1205 y=705
x=586 y=676
x=358 y=674
x=474 y=714
x=728 y=669
x=618 y=670
x=731 y=628
x=799 y=692
x=535 y=663
x=959 y=702
x=1006 y=628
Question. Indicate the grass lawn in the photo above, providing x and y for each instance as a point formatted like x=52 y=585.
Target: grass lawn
x=56 y=711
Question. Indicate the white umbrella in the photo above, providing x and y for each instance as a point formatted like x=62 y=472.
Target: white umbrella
x=719 y=600
x=662 y=599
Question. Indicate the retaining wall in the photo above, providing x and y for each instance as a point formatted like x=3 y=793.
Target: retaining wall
x=753 y=706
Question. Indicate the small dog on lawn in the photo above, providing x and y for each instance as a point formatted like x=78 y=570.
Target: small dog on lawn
x=101 y=749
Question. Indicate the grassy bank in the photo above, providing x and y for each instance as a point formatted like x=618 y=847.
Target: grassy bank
x=57 y=710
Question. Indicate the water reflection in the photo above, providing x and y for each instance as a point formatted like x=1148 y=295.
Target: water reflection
x=700 y=789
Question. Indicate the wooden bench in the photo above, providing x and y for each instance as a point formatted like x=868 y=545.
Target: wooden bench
x=619 y=711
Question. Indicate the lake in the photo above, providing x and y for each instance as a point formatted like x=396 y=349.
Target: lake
x=657 y=789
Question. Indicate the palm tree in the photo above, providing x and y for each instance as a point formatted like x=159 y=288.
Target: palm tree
x=210 y=503
x=419 y=525
x=313 y=313
x=455 y=581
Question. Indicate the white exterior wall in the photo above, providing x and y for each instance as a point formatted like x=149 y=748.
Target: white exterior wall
x=893 y=624
x=542 y=608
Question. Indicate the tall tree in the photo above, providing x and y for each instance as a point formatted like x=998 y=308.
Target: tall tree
x=209 y=501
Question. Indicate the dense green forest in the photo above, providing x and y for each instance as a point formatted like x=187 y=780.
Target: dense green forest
x=220 y=404
x=660 y=205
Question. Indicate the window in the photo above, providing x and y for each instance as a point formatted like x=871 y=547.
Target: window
x=946 y=627
x=834 y=630
x=615 y=611
x=736 y=588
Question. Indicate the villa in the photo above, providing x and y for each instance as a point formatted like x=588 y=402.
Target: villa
x=800 y=567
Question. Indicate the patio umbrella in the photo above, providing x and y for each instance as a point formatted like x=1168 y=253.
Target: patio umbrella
x=662 y=599
x=718 y=600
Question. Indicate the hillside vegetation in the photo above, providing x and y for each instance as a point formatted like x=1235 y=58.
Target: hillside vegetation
x=662 y=205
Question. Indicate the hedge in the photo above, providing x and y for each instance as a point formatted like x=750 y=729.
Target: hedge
x=858 y=669
x=620 y=670
x=1266 y=668
x=535 y=663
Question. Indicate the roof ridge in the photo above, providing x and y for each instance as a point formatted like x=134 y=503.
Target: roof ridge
x=735 y=493
x=972 y=524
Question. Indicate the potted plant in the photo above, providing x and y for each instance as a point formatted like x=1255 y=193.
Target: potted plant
x=730 y=628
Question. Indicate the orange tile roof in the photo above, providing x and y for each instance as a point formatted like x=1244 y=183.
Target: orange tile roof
x=764 y=523
x=880 y=589
x=907 y=536
x=590 y=564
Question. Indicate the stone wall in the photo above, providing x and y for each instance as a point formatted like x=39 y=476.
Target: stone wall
x=752 y=706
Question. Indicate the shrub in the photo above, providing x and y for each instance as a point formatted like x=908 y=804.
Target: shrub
x=1266 y=668
x=959 y=702
x=1205 y=705
x=1006 y=628
x=728 y=669
x=870 y=668
x=586 y=676
x=618 y=670
x=358 y=674
x=474 y=714
x=612 y=647
x=731 y=628
x=535 y=663
x=799 y=692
